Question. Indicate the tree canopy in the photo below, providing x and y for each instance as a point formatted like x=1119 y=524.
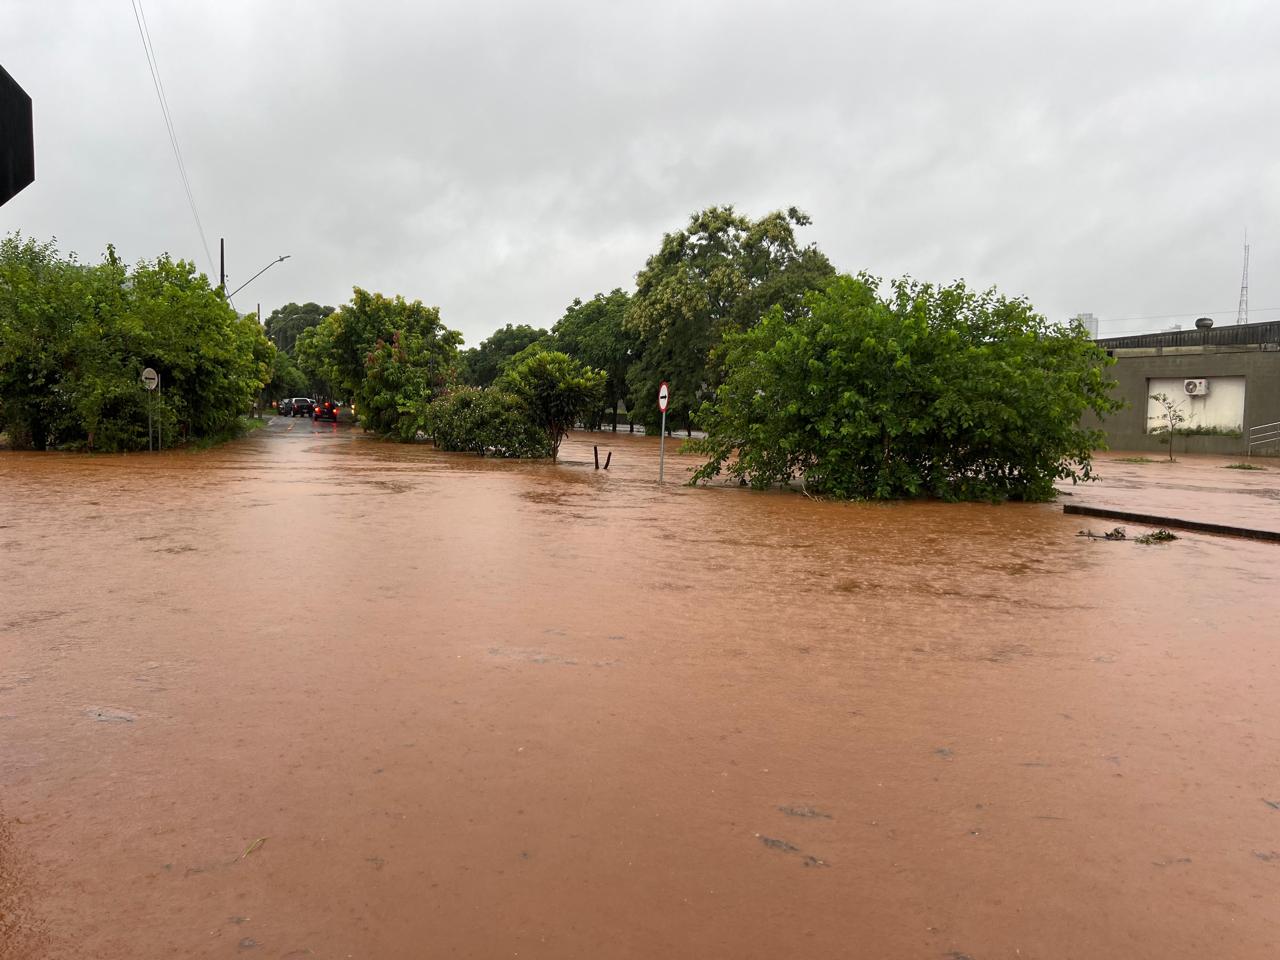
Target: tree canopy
x=929 y=391
x=390 y=356
x=595 y=333
x=716 y=277
x=74 y=339
x=556 y=391
x=285 y=323
x=484 y=364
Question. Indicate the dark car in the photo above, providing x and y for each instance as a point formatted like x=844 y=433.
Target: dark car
x=325 y=410
x=285 y=407
x=300 y=406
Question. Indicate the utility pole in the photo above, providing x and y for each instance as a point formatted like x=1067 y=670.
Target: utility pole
x=1242 y=314
x=222 y=264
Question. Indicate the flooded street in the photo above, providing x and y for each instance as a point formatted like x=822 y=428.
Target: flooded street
x=312 y=695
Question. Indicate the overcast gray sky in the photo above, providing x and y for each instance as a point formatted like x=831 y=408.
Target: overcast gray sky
x=499 y=159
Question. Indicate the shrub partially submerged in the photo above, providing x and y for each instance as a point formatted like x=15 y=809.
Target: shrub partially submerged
x=489 y=422
x=931 y=391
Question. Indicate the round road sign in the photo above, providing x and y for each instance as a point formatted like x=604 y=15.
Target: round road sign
x=150 y=378
x=664 y=393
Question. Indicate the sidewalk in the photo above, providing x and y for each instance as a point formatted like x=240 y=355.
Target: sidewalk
x=1194 y=487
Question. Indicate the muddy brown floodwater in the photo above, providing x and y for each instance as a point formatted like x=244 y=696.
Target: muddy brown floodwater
x=311 y=695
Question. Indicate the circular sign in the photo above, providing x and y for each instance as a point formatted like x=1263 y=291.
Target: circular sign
x=150 y=379
x=664 y=394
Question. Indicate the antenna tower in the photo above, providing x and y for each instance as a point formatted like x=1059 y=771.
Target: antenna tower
x=1242 y=314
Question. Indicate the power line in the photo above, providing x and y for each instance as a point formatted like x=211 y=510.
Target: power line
x=1179 y=316
x=140 y=17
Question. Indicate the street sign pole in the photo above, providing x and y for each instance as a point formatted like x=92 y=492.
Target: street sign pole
x=150 y=380
x=664 y=397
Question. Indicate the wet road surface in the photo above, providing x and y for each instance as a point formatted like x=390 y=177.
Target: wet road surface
x=311 y=695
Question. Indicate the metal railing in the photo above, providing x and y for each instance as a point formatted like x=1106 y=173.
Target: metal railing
x=1263 y=433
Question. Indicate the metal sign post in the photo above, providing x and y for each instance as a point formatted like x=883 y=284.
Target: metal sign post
x=664 y=396
x=150 y=380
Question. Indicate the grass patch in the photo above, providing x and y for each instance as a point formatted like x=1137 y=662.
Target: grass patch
x=1243 y=466
x=1209 y=432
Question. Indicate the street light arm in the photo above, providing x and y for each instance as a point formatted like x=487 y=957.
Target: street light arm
x=257 y=275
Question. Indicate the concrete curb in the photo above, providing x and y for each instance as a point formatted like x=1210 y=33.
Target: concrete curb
x=1272 y=536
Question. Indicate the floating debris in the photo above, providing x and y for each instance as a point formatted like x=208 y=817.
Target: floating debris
x=110 y=715
x=774 y=844
x=1156 y=536
x=1116 y=533
x=253 y=846
x=809 y=812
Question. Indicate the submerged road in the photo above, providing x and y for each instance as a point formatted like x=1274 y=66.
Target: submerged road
x=312 y=695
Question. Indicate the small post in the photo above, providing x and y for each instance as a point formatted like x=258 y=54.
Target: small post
x=607 y=458
x=596 y=450
x=662 y=446
x=664 y=398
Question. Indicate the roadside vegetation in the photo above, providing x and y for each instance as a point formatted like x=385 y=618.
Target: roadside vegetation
x=842 y=385
x=75 y=338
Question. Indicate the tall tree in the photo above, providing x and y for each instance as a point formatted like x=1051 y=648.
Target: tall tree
x=388 y=354
x=483 y=364
x=719 y=275
x=594 y=332
x=285 y=323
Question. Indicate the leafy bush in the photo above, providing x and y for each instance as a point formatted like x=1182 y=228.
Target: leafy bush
x=74 y=339
x=556 y=390
x=489 y=422
x=931 y=391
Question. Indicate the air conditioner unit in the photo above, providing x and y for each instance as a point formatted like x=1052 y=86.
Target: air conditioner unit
x=1196 y=388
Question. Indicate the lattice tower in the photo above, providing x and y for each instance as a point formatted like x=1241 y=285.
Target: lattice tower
x=1242 y=314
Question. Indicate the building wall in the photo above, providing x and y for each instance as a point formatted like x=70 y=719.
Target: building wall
x=1221 y=408
x=1134 y=368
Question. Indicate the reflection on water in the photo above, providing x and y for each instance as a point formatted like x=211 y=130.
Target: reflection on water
x=505 y=708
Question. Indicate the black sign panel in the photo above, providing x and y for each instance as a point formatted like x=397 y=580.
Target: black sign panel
x=17 y=142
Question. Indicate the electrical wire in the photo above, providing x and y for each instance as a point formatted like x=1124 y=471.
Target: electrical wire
x=140 y=17
x=1179 y=316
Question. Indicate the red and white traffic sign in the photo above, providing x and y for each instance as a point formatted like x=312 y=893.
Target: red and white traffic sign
x=664 y=393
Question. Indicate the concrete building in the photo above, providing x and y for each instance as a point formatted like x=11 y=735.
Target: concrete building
x=1089 y=322
x=1224 y=380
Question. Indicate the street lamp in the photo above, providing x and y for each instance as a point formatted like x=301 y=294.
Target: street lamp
x=257 y=275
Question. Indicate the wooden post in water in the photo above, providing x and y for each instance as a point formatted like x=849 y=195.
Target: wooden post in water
x=608 y=457
x=596 y=450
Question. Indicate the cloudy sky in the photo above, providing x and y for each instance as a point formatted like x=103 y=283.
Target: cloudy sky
x=500 y=159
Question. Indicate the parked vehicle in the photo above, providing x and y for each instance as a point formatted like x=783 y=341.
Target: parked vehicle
x=301 y=407
x=285 y=407
x=326 y=410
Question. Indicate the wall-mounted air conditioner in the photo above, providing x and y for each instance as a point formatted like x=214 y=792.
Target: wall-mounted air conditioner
x=1196 y=388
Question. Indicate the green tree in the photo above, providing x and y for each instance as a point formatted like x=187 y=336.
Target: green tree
x=285 y=323
x=389 y=355
x=716 y=277
x=556 y=390
x=930 y=391
x=484 y=364
x=74 y=339
x=595 y=333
